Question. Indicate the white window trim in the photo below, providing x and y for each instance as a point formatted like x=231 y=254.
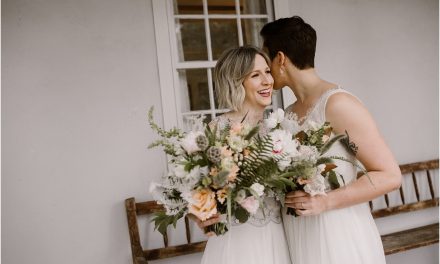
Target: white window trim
x=166 y=64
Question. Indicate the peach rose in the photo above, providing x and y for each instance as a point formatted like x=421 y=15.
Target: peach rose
x=203 y=204
x=236 y=128
x=226 y=152
x=233 y=173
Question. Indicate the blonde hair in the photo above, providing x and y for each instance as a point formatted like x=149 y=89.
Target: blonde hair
x=229 y=73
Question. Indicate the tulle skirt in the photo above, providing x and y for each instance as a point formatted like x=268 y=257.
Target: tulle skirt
x=247 y=243
x=347 y=235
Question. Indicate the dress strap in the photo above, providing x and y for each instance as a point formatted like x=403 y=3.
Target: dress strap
x=323 y=102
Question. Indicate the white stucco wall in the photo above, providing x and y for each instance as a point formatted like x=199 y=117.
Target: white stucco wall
x=386 y=53
x=79 y=76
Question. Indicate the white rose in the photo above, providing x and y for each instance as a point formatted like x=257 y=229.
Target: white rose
x=283 y=164
x=237 y=143
x=316 y=185
x=290 y=125
x=274 y=118
x=270 y=123
x=258 y=188
x=283 y=143
x=189 y=143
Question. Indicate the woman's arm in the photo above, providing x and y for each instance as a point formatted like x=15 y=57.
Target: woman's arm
x=345 y=112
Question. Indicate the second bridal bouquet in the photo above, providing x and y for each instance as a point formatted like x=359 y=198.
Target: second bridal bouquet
x=306 y=167
x=214 y=170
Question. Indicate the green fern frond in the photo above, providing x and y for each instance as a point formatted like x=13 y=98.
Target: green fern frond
x=259 y=165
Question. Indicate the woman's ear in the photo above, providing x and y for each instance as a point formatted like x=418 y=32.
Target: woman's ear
x=280 y=58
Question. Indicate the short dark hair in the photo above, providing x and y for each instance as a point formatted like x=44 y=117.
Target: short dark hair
x=293 y=37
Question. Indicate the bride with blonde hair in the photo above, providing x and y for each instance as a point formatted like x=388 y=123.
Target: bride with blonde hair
x=243 y=84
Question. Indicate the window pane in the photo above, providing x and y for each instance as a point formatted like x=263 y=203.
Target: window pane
x=221 y=6
x=224 y=35
x=194 y=90
x=191 y=39
x=188 y=7
x=251 y=31
x=253 y=6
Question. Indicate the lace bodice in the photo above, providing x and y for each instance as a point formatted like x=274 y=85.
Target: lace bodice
x=316 y=114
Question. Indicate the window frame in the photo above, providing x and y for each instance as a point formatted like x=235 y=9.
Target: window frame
x=167 y=57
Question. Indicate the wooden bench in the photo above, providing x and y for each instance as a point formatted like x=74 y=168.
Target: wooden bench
x=393 y=243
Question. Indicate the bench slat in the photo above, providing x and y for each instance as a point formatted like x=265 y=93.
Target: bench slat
x=405 y=208
x=418 y=166
x=411 y=238
x=174 y=251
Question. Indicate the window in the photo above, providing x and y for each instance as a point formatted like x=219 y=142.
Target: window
x=194 y=33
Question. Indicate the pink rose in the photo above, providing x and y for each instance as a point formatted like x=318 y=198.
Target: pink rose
x=250 y=204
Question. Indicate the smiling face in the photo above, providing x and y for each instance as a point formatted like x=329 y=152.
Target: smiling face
x=258 y=84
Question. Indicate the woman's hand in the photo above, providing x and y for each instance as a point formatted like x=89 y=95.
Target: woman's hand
x=203 y=224
x=305 y=204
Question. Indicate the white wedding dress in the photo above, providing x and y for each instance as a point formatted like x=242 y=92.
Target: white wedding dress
x=261 y=240
x=341 y=236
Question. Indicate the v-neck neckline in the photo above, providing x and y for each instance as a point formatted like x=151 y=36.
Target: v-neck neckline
x=301 y=121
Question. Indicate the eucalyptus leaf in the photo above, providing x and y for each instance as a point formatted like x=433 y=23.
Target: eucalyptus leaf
x=221 y=178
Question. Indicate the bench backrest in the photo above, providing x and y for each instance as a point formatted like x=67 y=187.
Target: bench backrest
x=141 y=256
x=419 y=177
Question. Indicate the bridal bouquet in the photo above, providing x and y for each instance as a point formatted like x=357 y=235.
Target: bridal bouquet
x=213 y=171
x=305 y=167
